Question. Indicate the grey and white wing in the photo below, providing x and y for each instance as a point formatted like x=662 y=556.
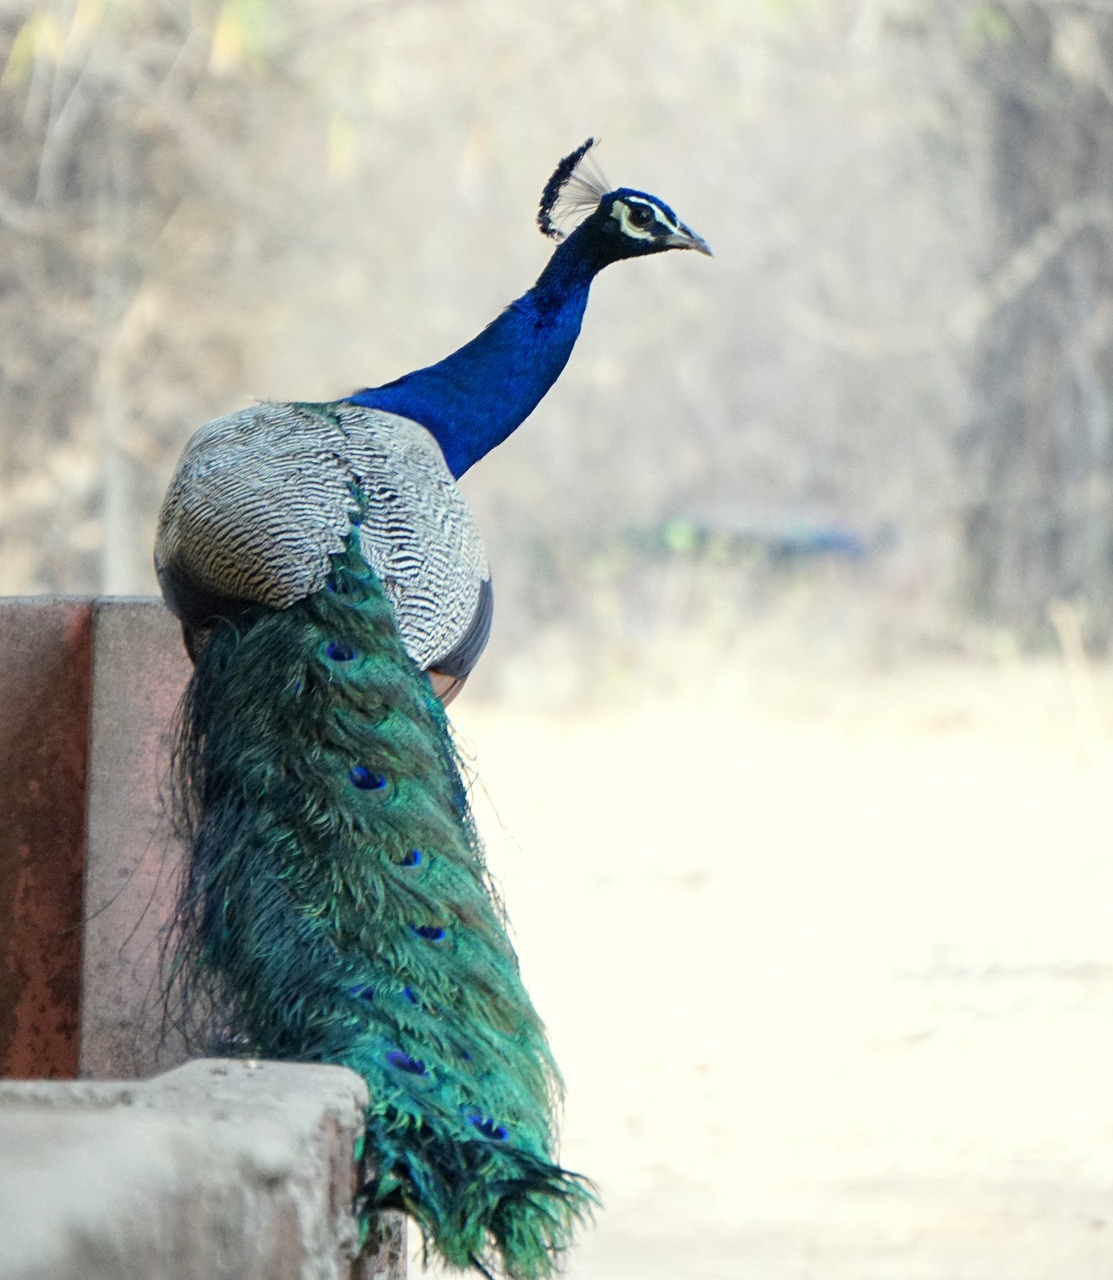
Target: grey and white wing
x=263 y=499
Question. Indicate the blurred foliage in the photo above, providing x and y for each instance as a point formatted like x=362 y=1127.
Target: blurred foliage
x=987 y=24
x=124 y=195
x=1038 y=511
x=203 y=202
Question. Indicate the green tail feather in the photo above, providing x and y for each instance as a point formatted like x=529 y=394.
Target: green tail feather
x=337 y=909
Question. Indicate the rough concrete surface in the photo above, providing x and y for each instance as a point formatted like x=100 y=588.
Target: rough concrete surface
x=140 y=669
x=44 y=718
x=218 y=1169
x=88 y=865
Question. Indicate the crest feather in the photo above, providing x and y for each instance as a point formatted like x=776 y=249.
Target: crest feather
x=570 y=190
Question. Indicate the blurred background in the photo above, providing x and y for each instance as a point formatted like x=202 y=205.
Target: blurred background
x=796 y=718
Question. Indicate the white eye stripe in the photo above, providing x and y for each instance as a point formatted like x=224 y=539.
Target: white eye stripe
x=622 y=210
x=659 y=214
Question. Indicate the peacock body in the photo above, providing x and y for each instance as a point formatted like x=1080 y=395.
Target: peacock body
x=331 y=583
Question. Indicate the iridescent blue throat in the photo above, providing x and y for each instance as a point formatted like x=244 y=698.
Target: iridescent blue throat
x=473 y=399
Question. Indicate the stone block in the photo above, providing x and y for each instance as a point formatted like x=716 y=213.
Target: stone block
x=211 y=1170
x=88 y=865
x=139 y=671
x=220 y=1170
x=45 y=682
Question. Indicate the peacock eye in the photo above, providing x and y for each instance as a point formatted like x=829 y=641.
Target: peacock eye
x=640 y=216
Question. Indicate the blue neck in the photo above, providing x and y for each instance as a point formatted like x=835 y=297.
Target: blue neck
x=473 y=399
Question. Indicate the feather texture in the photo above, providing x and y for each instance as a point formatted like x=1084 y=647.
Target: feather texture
x=570 y=190
x=262 y=500
x=337 y=909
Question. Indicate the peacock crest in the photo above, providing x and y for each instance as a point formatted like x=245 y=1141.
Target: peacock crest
x=574 y=190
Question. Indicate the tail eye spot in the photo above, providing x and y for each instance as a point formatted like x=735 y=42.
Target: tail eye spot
x=430 y=932
x=403 y=1061
x=489 y=1128
x=366 y=779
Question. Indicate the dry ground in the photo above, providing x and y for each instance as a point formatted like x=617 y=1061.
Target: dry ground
x=828 y=964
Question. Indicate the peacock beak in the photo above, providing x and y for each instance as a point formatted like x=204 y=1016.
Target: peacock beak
x=686 y=238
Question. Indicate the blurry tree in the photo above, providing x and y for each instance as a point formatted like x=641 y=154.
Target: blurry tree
x=122 y=204
x=206 y=200
x=1039 y=450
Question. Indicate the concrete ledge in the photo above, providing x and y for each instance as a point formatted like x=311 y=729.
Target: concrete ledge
x=88 y=692
x=45 y=680
x=217 y=1169
x=139 y=670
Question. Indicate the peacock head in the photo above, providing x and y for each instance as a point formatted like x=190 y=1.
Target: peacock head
x=620 y=223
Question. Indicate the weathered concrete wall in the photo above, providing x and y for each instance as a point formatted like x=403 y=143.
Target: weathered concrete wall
x=88 y=691
x=140 y=669
x=220 y=1169
x=216 y=1169
x=45 y=678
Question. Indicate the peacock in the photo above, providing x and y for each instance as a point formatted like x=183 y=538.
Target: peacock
x=335 y=907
